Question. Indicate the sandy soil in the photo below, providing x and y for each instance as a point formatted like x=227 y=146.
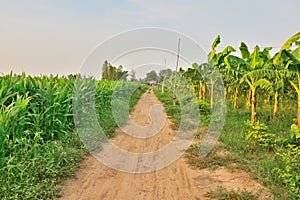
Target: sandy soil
x=177 y=181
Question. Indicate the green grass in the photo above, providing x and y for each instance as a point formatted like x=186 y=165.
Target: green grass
x=135 y=97
x=219 y=156
x=173 y=111
x=223 y=194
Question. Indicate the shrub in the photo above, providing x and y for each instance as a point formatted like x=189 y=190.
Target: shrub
x=258 y=135
x=295 y=133
x=289 y=173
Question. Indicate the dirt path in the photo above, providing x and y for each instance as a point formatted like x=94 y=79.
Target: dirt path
x=177 y=181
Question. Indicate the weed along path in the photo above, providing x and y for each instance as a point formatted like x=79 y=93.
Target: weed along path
x=94 y=180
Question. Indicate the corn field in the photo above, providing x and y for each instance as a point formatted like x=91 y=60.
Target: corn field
x=39 y=145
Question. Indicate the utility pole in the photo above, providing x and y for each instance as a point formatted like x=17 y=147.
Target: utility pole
x=177 y=61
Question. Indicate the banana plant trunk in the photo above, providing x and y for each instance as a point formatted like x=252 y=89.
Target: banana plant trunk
x=236 y=94
x=212 y=103
x=253 y=106
x=249 y=99
x=204 y=92
x=200 y=95
x=298 y=116
x=298 y=93
x=276 y=97
x=297 y=88
x=200 y=92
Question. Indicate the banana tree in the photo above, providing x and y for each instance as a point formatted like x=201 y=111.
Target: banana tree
x=216 y=62
x=198 y=78
x=189 y=75
x=254 y=61
x=273 y=84
x=232 y=74
x=276 y=83
x=291 y=61
x=255 y=79
x=195 y=76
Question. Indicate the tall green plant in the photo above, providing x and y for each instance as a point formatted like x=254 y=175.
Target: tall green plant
x=232 y=74
x=290 y=59
x=216 y=62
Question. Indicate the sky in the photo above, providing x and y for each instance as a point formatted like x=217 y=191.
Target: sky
x=56 y=37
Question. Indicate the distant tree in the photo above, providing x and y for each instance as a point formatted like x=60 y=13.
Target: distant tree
x=122 y=74
x=164 y=74
x=110 y=72
x=105 y=70
x=151 y=76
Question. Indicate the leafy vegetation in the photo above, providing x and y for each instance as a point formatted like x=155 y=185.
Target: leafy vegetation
x=39 y=145
x=262 y=96
x=257 y=135
x=257 y=156
x=289 y=172
x=171 y=110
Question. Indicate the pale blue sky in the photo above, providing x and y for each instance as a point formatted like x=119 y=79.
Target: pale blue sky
x=54 y=36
